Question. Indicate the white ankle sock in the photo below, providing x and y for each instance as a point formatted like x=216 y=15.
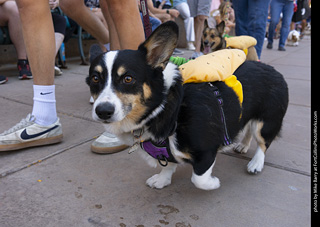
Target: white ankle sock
x=44 y=104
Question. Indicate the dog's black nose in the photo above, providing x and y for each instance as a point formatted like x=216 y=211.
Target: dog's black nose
x=105 y=110
x=206 y=42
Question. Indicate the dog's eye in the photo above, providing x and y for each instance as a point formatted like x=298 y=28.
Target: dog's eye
x=212 y=36
x=128 y=79
x=95 y=79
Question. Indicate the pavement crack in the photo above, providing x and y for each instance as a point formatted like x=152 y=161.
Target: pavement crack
x=277 y=166
x=17 y=169
x=296 y=104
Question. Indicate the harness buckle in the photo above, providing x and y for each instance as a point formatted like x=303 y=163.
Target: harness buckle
x=160 y=157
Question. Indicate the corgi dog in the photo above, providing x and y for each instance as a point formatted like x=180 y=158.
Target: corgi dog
x=140 y=97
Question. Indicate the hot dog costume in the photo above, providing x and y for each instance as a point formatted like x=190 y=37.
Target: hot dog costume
x=216 y=66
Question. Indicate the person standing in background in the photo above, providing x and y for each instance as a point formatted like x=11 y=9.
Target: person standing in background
x=183 y=8
x=302 y=13
x=199 y=9
x=251 y=19
x=9 y=16
x=276 y=8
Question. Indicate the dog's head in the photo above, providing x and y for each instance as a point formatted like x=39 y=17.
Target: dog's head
x=212 y=39
x=129 y=86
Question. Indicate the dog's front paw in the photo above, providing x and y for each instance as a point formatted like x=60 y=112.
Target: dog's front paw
x=256 y=164
x=241 y=148
x=158 y=181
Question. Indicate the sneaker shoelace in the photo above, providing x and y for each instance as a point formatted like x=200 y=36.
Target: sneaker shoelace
x=23 y=123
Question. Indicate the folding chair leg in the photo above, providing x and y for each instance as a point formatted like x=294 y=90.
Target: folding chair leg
x=83 y=58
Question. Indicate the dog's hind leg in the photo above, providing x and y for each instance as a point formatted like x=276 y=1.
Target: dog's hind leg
x=162 y=179
x=205 y=181
x=244 y=143
x=257 y=162
x=264 y=131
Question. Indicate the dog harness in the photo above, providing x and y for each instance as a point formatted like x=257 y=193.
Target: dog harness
x=218 y=66
x=159 y=150
x=217 y=94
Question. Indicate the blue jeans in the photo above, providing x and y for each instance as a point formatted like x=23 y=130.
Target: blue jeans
x=276 y=7
x=251 y=19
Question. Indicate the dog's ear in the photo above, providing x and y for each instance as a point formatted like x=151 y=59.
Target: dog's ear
x=161 y=44
x=220 y=27
x=94 y=52
x=206 y=24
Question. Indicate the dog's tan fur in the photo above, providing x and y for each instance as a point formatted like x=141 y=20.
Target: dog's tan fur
x=133 y=104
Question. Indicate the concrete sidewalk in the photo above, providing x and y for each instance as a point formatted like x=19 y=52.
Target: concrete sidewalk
x=67 y=185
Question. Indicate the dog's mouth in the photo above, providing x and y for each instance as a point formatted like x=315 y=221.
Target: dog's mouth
x=207 y=48
x=103 y=121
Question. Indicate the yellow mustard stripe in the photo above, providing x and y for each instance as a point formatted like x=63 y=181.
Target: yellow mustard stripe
x=216 y=66
x=235 y=84
x=245 y=50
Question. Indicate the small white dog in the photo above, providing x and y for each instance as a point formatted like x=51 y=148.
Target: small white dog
x=293 y=38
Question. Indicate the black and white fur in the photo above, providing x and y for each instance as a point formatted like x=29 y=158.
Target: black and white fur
x=140 y=90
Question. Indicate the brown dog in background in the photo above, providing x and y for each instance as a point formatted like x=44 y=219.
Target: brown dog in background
x=212 y=40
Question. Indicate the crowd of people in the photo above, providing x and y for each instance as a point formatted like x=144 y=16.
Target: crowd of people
x=110 y=22
x=91 y=17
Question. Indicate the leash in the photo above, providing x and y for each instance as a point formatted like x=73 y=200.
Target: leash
x=217 y=94
x=146 y=21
